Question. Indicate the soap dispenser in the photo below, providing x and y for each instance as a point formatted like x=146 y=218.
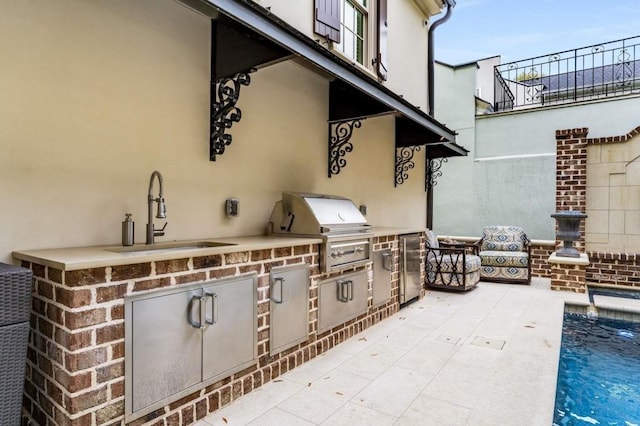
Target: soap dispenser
x=128 y=230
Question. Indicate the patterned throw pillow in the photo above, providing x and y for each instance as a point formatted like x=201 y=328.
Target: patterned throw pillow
x=432 y=240
x=503 y=238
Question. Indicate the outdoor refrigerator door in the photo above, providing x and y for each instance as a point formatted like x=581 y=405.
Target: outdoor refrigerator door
x=410 y=264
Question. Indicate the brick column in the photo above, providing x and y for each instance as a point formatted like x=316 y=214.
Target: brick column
x=569 y=273
x=571 y=175
x=571 y=194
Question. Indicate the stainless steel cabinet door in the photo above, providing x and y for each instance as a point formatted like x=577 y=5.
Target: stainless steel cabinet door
x=382 y=268
x=289 y=314
x=410 y=284
x=341 y=299
x=230 y=340
x=166 y=352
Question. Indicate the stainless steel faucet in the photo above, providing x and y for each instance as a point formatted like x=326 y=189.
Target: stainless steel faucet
x=152 y=232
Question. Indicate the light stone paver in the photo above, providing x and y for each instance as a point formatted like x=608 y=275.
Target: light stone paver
x=393 y=391
x=427 y=411
x=278 y=417
x=424 y=366
x=314 y=405
x=353 y=414
x=255 y=404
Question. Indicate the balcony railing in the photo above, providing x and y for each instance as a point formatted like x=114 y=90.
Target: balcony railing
x=592 y=72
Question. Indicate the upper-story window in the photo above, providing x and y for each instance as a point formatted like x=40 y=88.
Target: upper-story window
x=357 y=29
x=353 y=40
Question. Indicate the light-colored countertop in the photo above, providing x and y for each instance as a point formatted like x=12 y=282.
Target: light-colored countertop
x=74 y=258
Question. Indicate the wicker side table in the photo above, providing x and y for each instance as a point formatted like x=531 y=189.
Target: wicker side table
x=15 y=307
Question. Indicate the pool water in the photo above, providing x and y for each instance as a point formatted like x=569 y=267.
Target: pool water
x=599 y=373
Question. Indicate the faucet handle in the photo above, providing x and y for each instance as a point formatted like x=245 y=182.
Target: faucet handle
x=160 y=232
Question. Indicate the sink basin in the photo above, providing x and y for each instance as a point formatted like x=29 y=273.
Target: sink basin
x=175 y=246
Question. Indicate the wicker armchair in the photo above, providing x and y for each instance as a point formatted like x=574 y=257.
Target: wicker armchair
x=453 y=266
x=505 y=253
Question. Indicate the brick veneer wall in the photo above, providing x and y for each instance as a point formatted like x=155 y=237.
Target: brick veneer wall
x=571 y=178
x=540 y=260
x=75 y=366
x=613 y=268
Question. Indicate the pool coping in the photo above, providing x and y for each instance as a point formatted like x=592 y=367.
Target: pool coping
x=606 y=307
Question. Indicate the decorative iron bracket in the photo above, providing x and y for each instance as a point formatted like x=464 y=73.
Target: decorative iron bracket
x=340 y=133
x=404 y=163
x=224 y=96
x=433 y=172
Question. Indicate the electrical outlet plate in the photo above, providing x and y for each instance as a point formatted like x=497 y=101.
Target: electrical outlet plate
x=231 y=207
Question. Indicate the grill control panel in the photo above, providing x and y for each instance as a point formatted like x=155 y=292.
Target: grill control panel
x=340 y=254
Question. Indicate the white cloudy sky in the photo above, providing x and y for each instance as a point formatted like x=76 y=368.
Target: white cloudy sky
x=520 y=29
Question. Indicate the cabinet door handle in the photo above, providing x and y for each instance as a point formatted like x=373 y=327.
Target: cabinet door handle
x=190 y=308
x=339 y=290
x=273 y=296
x=203 y=311
x=343 y=291
x=386 y=261
x=214 y=308
x=350 y=290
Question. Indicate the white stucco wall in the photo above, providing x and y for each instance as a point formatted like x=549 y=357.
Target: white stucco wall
x=96 y=95
x=454 y=191
x=485 y=78
x=509 y=175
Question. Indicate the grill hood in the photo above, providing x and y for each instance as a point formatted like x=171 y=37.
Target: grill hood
x=316 y=214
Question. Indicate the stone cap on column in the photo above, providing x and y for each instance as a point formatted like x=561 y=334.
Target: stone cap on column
x=583 y=260
x=581 y=132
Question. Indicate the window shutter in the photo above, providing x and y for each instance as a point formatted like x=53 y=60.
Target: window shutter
x=327 y=19
x=381 y=40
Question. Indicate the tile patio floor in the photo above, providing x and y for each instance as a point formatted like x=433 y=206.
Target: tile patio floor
x=488 y=357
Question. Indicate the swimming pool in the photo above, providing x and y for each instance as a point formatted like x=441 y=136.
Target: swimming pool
x=613 y=292
x=599 y=373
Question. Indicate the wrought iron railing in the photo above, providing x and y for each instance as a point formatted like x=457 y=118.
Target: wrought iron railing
x=592 y=72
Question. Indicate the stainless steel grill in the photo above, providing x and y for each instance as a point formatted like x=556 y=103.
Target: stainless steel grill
x=344 y=230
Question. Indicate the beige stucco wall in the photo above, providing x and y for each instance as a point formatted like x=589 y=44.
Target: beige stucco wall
x=407 y=41
x=407 y=52
x=298 y=14
x=613 y=197
x=98 y=94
